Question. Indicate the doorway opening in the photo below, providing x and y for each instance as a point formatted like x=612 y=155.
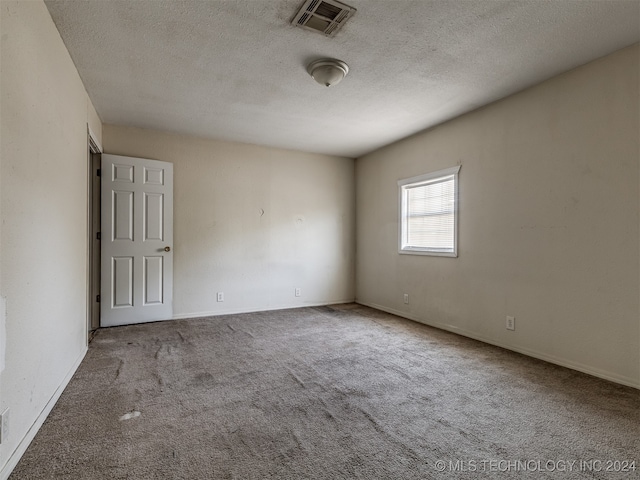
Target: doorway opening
x=93 y=242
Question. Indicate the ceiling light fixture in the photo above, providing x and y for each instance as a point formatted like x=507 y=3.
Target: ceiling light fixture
x=328 y=71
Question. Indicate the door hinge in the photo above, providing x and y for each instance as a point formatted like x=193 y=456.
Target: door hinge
x=98 y=236
x=97 y=298
x=98 y=172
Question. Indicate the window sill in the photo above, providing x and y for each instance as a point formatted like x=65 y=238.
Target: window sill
x=427 y=252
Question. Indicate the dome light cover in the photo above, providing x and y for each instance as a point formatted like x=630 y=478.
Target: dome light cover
x=328 y=71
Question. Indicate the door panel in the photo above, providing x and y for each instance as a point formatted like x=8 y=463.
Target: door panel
x=154 y=176
x=122 y=293
x=122 y=173
x=122 y=215
x=137 y=226
x=153 y=216
x=153 y=280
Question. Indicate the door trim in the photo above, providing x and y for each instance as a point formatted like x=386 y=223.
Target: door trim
x=93 y=227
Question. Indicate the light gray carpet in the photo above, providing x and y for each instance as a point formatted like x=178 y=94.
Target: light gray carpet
x=326 y=393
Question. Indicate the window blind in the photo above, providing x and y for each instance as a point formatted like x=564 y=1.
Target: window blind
x=431 y=215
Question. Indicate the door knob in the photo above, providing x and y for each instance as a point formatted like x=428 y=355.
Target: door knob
x=167 y=249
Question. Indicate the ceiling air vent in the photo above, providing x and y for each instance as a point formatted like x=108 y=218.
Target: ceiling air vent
x=324 y=16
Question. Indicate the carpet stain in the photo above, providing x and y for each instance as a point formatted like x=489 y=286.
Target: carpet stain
x=330 y=416
x=203 y=378
x=130 y=415
x=119 y=369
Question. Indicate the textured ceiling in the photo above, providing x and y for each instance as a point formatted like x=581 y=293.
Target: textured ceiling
x=235 y=69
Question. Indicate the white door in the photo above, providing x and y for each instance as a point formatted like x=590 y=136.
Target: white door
x=136 y=240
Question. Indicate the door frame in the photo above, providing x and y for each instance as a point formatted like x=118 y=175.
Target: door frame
x=94 y=149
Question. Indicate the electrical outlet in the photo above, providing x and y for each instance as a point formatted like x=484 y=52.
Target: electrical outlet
x=297 y=292
x=221 y=296
x=4 y=426
x=511 y=323
x=406 y=298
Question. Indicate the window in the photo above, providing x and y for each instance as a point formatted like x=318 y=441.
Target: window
x=428 y=214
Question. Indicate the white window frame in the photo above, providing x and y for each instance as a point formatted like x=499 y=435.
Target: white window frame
x=403 y=187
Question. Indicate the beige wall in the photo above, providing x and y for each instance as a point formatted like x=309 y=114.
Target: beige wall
x=252 y=222
x=43 y=199
x=548 y=222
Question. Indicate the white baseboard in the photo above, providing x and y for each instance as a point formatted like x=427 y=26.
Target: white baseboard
x=612 y=377
x=31 y=433
x=233 y=311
